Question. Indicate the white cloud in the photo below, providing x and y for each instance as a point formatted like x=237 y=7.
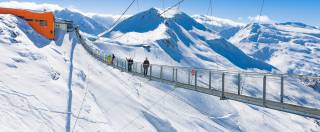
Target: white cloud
x=261 y=19
x=240 y=18
x=51 y=7
x=30 y=6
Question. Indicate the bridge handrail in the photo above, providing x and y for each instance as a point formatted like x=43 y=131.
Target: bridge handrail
x=196 y=81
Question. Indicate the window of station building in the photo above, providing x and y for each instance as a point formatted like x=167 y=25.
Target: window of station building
x=43 y=23
x=29 y=20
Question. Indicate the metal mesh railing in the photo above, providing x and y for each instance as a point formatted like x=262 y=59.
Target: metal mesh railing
x=285 y=89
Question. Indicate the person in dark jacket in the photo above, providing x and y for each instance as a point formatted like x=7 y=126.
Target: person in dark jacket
x=146 y=65
x=112 y=60
x=130 y=63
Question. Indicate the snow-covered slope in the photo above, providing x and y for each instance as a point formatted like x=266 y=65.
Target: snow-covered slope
x=292 y=47
x=225 y=27
x=105 y=19
x=175 y=39
x=217 y=24
x=88 y=25
x=42 y=85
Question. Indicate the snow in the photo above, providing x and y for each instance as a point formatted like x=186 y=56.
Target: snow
x=291 y=46
x=180 y=39
x=43 y=82
x=88 y=25
x=216 y=21
x=30 y=5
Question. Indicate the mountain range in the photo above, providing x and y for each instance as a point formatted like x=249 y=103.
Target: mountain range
x=44 y=84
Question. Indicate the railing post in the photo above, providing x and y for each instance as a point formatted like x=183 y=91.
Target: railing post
x=189 y=81
x=282 y=88
x=121 y=65
x=150 y=72
x=209 y=79
x=195 y=79
x=176 y=74
x=264 y=89
x=161 y=72
x=141 y=67
x=136 y=68
x=173 y=74
x=239 y=83
x=222 y=87
x=117 y=63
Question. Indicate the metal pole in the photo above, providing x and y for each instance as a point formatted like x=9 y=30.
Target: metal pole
x=117 y=62
x=209 y=79
x=282 y=88
x=150 y=72
x=264 y=89
x=173 y=74
x=141 y=67
x=161 y=72
x=189 y=82
x=195 y=79
x=222 y=88
x=176 y=74
x=239 y=83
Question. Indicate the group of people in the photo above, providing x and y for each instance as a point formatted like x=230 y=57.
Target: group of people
x=146 y=65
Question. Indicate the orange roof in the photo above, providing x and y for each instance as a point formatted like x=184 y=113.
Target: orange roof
x=43 y=22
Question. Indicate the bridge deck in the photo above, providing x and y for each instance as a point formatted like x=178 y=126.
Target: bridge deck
x=173 y=80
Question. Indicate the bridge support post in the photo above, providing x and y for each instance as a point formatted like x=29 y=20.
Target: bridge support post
x=161 y=68
x=121 y=65
x=264 y=89
x=222 y=88
x=282 y=88
x=209 y=79
x=189 y=81
x=117 y=63
x=195 y=79
x=173 y=74
x=239 y=83
x=176 y=74
x=150 y=76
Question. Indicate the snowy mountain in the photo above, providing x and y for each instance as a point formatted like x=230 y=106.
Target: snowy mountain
x=88 y=25
x=292 y=47
x=178 y=39
x=225 y=27
x=44 y=83
x=105 y=19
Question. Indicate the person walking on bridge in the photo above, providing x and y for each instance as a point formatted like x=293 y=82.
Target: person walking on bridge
x=109 y=59
x=112 y=60
x=130 y=63
x=146 y=65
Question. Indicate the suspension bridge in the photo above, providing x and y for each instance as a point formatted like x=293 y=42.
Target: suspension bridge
x=219 y=83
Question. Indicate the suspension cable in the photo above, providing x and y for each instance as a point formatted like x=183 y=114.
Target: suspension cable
x=148 y=108
x=119 y=18
x=139 y=22
x=262 y=5
x=170 y=8
x=83 y=100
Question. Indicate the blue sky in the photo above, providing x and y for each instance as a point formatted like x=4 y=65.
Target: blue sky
x=306 y=11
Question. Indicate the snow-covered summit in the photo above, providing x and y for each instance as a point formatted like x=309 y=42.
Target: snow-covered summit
x=87 y=24
x=293 y=47
x=182 y=39
x=216 y=21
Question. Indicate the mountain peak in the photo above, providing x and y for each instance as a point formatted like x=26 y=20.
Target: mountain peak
x=297 y=24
